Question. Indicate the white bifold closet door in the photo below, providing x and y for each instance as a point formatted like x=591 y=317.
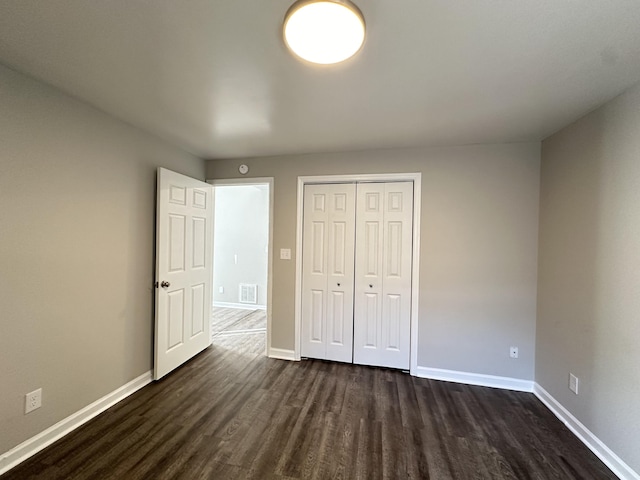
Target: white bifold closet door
x=382 y=310
x=356 y=273
x=327 y=266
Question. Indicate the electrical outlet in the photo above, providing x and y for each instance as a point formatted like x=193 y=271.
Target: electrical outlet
x=573 y=383
x=220 y=289
x=513 y=352
x=33 y=400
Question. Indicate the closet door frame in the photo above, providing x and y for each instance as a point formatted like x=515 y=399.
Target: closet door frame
x=416 y=178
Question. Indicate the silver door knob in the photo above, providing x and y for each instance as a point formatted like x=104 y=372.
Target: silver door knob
x=165 y=284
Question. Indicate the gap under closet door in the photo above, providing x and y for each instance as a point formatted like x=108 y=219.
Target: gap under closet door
x=328 y=271
x=382 y=310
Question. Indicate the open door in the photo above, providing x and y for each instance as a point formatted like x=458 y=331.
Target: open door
x=184 y=229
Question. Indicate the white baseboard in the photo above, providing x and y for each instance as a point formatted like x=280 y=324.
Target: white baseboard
x=479 y=379
x=33 y=445
x=241 y=306
x=281 y=354
x=604 y=453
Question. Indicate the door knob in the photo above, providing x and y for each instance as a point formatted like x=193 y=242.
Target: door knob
x=338 y=284
x=370 y=286
x=165 y=284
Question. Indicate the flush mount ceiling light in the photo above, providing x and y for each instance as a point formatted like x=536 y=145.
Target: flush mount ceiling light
x=324 y=31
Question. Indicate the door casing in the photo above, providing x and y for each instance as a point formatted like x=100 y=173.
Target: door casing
x=416 y=178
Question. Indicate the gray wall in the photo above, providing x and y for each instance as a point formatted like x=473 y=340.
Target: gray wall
x=77 y=209
x=478 y=247
x=589 y=273
x=242 y=229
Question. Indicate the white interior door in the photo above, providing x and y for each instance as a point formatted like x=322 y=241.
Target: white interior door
x=183 y=270
x=327 y=272
x=382 y=310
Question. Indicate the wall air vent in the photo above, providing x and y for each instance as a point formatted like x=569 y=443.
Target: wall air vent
x=248 y=293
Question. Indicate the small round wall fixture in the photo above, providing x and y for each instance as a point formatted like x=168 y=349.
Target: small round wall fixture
x=243 y=169
x=324 y=31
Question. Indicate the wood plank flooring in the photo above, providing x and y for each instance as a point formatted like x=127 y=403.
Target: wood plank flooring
x=234 y=320
x=232 y=413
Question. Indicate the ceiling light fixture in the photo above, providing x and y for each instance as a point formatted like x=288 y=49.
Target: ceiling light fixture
x=324 y=31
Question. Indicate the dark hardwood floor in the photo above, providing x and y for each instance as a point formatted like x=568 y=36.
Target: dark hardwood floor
x=231 y=413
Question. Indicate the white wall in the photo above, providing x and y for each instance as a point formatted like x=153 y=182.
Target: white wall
x=478 y=247
x=241 y=232
x=589 y=274
x=77 y=210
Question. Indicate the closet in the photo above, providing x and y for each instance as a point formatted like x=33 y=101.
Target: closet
x=356 y=273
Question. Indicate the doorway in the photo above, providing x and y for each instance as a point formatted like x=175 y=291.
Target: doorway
x=241 y=290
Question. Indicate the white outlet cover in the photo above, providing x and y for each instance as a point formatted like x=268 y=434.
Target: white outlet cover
x=33 y=400
x=513 y=352
x=573 y=383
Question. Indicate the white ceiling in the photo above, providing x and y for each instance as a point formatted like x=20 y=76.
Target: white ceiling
x=214 y=77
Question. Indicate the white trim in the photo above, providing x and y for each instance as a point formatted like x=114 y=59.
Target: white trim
x=507 y=383
x=33 y=445
x=416 y=178
x=415 y=271
x=239 y=306
x=222 y=182
x=604 y=453
x=226 y=333
x=297 y=318
x=282 y=354
x=361 y=177
x=267 y=345
x=259 y=181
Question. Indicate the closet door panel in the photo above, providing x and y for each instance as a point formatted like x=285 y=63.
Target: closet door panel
x=383 y=274
x=367 y=331
x=396 y=302
x=341 y=271
x=314 y=268
x=328 y=265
